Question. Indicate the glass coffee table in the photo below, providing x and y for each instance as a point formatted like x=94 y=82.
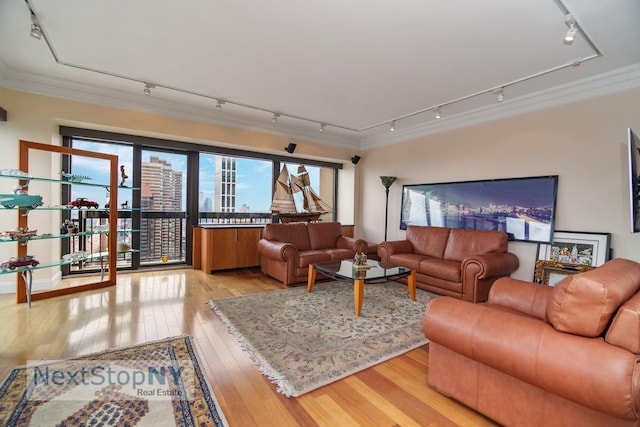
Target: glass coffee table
x=375 y=272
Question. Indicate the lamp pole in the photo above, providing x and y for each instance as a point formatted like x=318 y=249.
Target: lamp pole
x=387 y=181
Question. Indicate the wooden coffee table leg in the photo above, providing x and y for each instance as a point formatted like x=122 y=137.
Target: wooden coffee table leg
x=358 y=293
x=311 y=278
x=411 y=282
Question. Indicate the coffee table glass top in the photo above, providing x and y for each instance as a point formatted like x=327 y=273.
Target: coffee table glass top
x=344 y=270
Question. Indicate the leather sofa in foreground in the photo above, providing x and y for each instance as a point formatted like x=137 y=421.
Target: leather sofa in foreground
x=535 y=355
x=286 y=250
x=453 y=262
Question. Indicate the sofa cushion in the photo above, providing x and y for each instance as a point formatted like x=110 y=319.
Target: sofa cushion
x=411 y=261
x=323 y=235
x=624 y=331
x=441 y=268
x=295 y=233
x=310 y=257
x=584 y=303
x=465 y=243
x=340 y=254
x=430 y=241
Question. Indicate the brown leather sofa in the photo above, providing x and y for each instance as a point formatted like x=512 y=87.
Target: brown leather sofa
x=536 y=355
x=286 y=250
x=450 y=261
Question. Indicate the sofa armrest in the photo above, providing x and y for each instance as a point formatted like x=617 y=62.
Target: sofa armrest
x=386 y=249
x=585 y=370
x=281 y=251
x=492 y=264
x=356 y=245
x=526 y=297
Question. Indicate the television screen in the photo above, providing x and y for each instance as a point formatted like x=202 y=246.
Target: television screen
x=634 y=180
x=524 y=208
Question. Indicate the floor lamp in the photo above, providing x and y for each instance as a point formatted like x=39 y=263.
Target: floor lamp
x=387 y=181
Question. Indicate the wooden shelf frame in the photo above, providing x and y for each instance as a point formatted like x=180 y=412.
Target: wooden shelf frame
x=110 y=280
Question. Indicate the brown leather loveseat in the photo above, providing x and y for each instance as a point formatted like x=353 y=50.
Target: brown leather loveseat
x=286 y=250
x=450 y=261
x=536 y=355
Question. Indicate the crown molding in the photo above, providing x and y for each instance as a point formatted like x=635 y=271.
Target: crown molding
x=622 y=79
x=619 y=80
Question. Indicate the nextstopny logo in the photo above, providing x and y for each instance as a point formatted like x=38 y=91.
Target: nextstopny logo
x=137 y=379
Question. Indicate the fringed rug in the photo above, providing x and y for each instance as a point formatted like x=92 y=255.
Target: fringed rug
x=158 y=383
x=302 y=341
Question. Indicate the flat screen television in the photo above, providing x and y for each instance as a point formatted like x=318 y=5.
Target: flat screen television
x=633 y=145
x=524 y=208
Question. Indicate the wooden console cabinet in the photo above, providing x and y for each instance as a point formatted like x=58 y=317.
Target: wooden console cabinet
x=222 y=248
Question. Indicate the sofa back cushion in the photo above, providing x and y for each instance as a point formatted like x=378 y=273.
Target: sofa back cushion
x=430 y=241
x=465 y=243
x=625 y=329
x=295 y=233
x=324 y=235
x=584 y=303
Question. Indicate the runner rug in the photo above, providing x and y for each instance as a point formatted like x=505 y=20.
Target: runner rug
x=153 y=384
x=302 y=341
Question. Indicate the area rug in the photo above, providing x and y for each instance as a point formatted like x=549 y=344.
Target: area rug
x=158 y=383
x=302 y=341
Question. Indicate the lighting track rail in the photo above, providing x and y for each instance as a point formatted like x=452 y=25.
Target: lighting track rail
x=323 y=125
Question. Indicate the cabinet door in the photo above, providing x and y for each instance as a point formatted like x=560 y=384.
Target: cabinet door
x=223 y=255
x=247 y=247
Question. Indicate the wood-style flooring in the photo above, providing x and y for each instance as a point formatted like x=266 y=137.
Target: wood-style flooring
x=151 y=305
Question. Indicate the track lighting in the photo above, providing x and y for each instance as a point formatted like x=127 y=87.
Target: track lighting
x=500 y=95
x=275 y=118
x=392 y=127
x=147 y=88
x=322 y=127
x=438 y=113
x=36 y=31
x=290 y=148
x=355 y=159
x=570 y=36
x=219 y=104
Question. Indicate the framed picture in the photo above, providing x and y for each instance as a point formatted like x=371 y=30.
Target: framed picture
x=576 y=247
x=551 y=272
x=524 y=208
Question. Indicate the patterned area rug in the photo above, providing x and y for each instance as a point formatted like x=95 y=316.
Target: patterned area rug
x=158 y=383
x=302 y=341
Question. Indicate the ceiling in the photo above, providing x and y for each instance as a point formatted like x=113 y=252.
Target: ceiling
x=353 y=65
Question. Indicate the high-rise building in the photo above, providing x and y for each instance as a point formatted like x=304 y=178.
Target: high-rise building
x=225 y=184
x=161 y=192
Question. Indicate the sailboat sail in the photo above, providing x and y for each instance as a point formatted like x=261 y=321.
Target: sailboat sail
x=283 y=204
x=282 y=195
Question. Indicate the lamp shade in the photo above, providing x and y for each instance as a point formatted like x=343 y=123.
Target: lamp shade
x=388 y=181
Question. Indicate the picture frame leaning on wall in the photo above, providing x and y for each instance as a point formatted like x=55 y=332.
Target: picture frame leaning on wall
x=577 y=248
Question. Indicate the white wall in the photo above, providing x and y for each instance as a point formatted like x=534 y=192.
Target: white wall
x=584 y=143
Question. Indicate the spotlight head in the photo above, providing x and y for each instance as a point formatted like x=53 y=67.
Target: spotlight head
x=571 y=35
x=355 y=159
x=147 y=88
x=500 y=95
x=275 y=118
x=392 y=126
x=36 y=31
x=322 y=127
x=290 y=148
x=438 y=113
x=219 y=104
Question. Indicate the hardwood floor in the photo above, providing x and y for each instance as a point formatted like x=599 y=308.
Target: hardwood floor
x=156 y=304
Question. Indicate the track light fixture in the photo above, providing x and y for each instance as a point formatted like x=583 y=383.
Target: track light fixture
x=500 y=95
x=275 y=118
x=36 y=31
x=392 y=127
x=355 y=159
x=570 y=36
x=438 y=113
x=219 y=104
x=147 y=88
x=290 y=148
x=322 y=127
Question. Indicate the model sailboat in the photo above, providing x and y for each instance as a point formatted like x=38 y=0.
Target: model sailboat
x=283 y=204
